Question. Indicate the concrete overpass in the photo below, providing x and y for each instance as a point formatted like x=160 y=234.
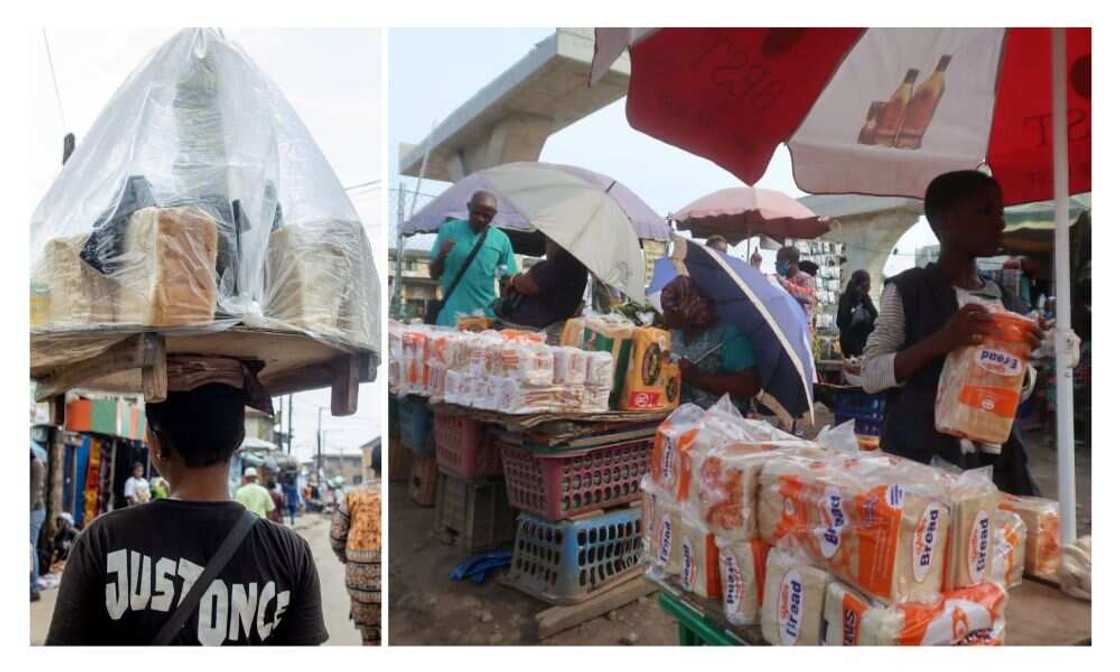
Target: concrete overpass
x=511 y=118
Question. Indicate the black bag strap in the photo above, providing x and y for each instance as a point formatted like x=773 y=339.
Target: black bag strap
x=225 y=553
x=466 y=264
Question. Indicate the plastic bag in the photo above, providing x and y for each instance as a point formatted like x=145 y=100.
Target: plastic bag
x=1009 y=556
x=742 y=577
x=972 y=616
x=662 y=521
x=875 y=521
x=1044 y=524
x=1077 y=568
x=978 y=392
x=793 y=600
x=844 y=609
x=198 y=199
x=973 y=539
x=674 y=437
x=841 y=438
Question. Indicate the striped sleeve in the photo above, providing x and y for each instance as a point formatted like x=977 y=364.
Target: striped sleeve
x=884 y=342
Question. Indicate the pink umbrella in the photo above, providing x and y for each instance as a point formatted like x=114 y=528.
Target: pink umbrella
x=741 y=212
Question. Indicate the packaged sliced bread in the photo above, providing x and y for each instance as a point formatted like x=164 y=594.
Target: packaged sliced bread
x=974 y=502
x=880 y=530
x=661 y=516
x=978 y=393
x=793 y=600
x=1044 y=526
x=742 y=573
x=1009 y=556
x=844 y=609
x=674 y=437
x=973 y=616
x=699 y=559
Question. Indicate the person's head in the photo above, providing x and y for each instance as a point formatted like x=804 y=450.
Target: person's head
x=859 y=283
x=756 y=259
x=809 y=267
x=965 y=210
x=718 y=242
x=685 y=306
x=251 y=475
x=786 y=262
x=482 y=208
x=196 y=429
x=375 y=460
x=137 y=470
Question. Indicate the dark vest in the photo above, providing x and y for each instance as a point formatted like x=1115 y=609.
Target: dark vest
x=929 y=302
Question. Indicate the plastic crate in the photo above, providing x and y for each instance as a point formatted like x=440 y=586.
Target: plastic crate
x=422 y=481
x=416 y=425
x=573 y=560
x=855 y=404
x=563 y=484
x=694 y=628
x=474 y=515
x=400 y=460
x=463 y=449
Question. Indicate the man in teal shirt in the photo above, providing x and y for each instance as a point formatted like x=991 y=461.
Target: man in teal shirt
x=475 y=291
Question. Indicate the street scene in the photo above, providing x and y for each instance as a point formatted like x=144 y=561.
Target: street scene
x=837 y=395
x=205 y=339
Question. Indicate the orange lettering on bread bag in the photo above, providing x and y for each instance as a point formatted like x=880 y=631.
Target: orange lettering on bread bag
x=856 y=607
x=759 y=550
x=877 y=526
x=683 y=464
x=998 y=400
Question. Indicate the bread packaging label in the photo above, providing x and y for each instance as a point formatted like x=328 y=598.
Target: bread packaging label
x=1010 y=549
x=978 y=392
x=844 y=609
x=742 y=567
x=969 y=616
x=699 y=559
x=650 y=383
x=663 y=542
x=972 y=533
x=887 y=539
x=793 y=600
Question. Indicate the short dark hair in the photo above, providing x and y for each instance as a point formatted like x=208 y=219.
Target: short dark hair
x=789 y=252
x=205 y=425
x=716 y=240
x=948 y=189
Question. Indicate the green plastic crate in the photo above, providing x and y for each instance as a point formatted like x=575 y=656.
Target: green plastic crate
x=693 y=628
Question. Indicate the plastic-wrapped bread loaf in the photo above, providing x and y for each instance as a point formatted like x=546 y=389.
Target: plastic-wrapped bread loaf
x=661 y=514
x=793 y=600
x=742 y=577
x=844 y=609
x=877 y=527
x=645 y=386
x=74 y=293
x=600 y=369
x=165 y=273
x=674 y=438
x=699 y=558
x=974 y=502
x=1009 y=555
x=1043 y=521
x=978 y=393
x=570 y=366
x=969 y=616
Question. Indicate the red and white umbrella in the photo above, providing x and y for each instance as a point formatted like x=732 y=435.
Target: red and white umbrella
x=881 y=111
x=742 y=212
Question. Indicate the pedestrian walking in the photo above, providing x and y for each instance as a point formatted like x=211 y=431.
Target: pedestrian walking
x=253 y=496
x=356 y=540
x=38 y=513
x=195 y=568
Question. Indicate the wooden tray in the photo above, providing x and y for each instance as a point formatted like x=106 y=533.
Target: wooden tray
x=130 y=361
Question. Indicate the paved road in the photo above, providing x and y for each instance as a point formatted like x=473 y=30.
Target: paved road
x=336 y=603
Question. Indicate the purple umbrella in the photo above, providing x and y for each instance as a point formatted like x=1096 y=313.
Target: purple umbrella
x=452 y=204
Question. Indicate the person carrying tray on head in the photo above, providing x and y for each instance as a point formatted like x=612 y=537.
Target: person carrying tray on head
x=195 y=568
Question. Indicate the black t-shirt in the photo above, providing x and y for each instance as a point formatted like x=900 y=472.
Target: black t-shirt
x=130 y=568
x=561 y=282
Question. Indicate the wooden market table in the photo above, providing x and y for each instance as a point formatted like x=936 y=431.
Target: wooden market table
x=1038 y=614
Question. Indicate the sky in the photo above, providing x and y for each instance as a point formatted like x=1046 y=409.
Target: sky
x=425 y=85
x=333 y=80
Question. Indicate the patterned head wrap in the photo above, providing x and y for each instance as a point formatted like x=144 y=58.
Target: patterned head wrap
x=683 y=297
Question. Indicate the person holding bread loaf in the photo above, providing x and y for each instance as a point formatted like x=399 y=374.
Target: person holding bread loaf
x=927 y=313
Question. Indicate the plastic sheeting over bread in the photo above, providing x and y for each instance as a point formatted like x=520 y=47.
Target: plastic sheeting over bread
x=199 y=200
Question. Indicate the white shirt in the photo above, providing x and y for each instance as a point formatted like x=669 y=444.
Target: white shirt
x=132 y=485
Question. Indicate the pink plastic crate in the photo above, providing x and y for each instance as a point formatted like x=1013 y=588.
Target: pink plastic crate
x=556 y=485
x=463 y=449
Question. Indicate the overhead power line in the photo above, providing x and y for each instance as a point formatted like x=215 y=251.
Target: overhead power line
x=54 y=80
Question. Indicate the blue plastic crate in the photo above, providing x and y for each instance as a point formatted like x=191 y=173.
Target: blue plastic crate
x=416 y=425
x=573 y=560
x=859 y=405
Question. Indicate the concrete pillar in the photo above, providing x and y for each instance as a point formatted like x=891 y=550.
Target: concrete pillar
x=869 y=240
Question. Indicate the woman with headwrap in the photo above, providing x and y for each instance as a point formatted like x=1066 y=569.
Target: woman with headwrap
x=715 y=359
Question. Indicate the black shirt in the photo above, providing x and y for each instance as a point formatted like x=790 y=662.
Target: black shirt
x=130 y=567
x=561 y=282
